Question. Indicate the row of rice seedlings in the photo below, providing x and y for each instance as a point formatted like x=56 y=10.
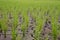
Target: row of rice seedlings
x=15 y=24
x=58 y=27
x=54 y=24
x=13 y=34
x=45 y=15
x=58 y=24
x=20 y=22
x=40 y=19
x=4 y=23
x=0 y=22
x=26 y=19
x=25 y=23
x=36 y=30
x=47 y=27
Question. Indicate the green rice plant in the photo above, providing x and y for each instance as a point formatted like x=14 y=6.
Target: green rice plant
x=13 y=34
x=54 y=25
x=40 y=22
x=0 y=24
x=18 y=38
x=15 y=23
x=54 y=30
x=4 y=25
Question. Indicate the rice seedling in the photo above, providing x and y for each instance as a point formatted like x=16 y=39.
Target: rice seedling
x=54 y=26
